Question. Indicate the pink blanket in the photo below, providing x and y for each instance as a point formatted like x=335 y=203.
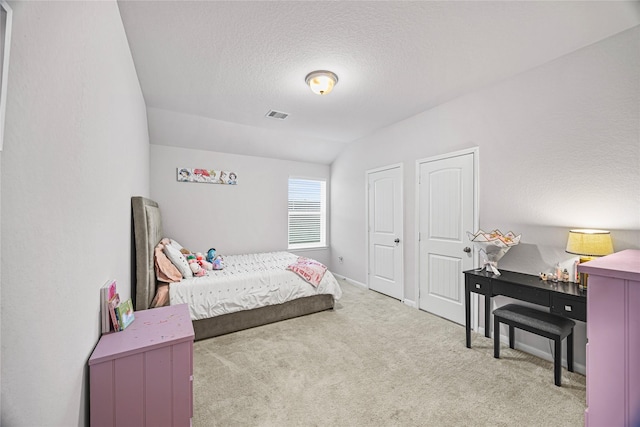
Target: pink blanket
x=310 y=270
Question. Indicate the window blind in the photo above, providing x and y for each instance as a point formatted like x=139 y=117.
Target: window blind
x=307 y=213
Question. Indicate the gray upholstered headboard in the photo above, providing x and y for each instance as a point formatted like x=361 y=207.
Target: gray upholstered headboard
x=147 y=230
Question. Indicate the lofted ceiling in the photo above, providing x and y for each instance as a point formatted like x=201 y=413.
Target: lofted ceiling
x=211 y=70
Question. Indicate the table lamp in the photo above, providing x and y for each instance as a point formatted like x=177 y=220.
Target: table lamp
x=588 y=244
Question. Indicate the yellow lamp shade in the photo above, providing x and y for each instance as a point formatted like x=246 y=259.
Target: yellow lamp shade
x=589 y=242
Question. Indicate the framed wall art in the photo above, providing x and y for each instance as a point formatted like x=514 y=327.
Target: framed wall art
x=207 y=176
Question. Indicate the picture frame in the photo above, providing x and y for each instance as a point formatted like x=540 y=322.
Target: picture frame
x=6 y=17
x=207 y=176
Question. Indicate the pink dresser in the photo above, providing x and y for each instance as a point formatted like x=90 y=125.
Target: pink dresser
x=143 y=376
x=613 y=335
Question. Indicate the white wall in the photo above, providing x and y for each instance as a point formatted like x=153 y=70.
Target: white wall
x=559 y=149
x=248 y=217
x=184 y=130
x=76 y=149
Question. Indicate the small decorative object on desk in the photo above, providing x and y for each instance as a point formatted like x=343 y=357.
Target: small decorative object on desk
x=493 y=245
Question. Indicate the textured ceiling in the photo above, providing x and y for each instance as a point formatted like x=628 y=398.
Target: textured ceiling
x=211 y=70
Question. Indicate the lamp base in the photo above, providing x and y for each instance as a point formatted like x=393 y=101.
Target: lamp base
x=584 y=276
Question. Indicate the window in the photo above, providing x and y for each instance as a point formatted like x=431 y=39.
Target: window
x=307 y=213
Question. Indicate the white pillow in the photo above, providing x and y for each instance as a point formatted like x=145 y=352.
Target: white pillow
x=175 y=244
x=178 y=260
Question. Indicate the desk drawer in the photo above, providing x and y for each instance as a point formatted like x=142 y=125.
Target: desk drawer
x=479 y=285
x=523 y=293
x=569 y=307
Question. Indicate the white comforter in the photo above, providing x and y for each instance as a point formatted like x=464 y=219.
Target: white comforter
x=246 y=282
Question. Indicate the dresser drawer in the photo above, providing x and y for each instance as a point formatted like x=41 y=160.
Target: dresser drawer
x=523 y=293
x=569 y=307
x=479 y=285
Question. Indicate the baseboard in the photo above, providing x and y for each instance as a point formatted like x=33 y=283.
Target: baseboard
x=577 y=367
x=542 y=354
x=410 y=303
x=351 y=281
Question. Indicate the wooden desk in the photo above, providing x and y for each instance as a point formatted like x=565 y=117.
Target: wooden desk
x=564 y=298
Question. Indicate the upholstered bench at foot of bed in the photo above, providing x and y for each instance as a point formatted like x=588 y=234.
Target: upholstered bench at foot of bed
x=542 y=323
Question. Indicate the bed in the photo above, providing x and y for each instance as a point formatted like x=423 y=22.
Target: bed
x=266 y=297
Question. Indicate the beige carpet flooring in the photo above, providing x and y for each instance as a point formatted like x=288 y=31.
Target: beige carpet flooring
x=374 y=361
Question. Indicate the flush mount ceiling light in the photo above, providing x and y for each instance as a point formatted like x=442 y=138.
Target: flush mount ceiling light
x=321 y=81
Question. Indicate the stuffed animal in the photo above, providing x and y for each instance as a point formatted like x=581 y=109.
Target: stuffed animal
x=211 y=255
x=203 y=263
x=217 y=263
x=196 y=269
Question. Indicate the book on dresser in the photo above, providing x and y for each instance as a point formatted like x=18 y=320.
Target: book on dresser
x=113 y=304
x=107 y=291
x=125 y=314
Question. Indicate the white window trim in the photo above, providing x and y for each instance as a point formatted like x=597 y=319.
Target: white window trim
x=323 y=243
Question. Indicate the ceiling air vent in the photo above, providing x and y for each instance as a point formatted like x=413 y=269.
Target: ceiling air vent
x=277 y=115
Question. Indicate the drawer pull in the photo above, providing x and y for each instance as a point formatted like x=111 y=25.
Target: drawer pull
x=477 y=286
x=567 y=308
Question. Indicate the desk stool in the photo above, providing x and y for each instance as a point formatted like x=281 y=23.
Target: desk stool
x=542 y=323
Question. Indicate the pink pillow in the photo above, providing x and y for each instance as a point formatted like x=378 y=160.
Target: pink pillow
x=162 y=296
x=309 y=269
x=165 y=270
